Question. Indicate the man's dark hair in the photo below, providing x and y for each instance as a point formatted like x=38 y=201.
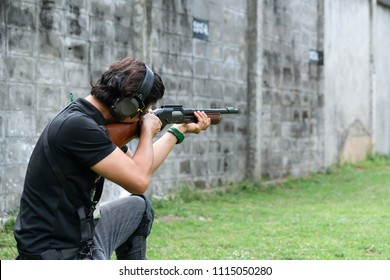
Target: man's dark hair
x=124 y=78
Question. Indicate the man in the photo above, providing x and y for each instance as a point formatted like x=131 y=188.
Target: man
x=64 y=178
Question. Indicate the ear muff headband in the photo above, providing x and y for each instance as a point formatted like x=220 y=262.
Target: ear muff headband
x=126 y=106
x=146 y=86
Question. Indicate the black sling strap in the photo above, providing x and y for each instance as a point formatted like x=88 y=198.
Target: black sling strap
x=85 y=215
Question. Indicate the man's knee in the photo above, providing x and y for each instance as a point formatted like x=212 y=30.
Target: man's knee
x=135 y=245
x=145 y=226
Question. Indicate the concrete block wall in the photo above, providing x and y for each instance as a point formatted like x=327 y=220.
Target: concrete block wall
x=200 y=73
x=356 y=84
x=380 y=66
x=51 y=48
x=47 y=50
x=348 y=104
x=292 y=95
x=298 y=115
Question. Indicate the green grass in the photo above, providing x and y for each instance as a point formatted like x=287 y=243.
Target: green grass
x=342 y=214
x=7 y=241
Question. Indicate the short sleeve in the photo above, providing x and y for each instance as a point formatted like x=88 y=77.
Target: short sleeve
x=84 y=140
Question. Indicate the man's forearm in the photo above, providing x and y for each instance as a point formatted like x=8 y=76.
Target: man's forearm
x=162 y=147
x=144 y=154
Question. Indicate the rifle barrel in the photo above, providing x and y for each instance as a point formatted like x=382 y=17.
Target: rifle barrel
x=226 y=110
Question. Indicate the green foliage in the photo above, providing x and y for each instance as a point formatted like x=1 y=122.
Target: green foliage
x=377 y=160
x=7 y=241
x=9 y=226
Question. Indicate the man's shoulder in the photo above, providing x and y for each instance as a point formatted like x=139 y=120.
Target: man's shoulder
x=73 y=118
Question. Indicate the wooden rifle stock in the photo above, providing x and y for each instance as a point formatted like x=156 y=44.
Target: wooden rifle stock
x=122 y=133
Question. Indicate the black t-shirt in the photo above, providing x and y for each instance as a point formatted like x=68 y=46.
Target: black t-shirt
x=47 y=218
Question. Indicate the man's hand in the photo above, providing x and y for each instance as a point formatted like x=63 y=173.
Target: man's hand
x=202 y=124
x=150 y=122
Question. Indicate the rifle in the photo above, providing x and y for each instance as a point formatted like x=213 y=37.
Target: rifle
x=122 y=133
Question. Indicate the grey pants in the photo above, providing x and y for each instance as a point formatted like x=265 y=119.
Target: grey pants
x=118 y=225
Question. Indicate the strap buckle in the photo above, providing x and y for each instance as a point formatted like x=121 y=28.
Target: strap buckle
x=86 y=250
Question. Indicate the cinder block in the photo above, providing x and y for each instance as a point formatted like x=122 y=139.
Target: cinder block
x=22 y=97
x=50 y=72
x=20 y=69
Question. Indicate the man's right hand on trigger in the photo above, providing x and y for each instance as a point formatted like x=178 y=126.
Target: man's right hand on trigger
x=150 y=122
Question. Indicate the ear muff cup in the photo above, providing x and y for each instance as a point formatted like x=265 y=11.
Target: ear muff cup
x=128 y=106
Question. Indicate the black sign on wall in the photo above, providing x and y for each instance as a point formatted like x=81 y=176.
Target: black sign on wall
x=200 y=29
x=316 y=57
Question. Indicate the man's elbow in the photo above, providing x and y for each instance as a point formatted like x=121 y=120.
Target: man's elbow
x=141 y=186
